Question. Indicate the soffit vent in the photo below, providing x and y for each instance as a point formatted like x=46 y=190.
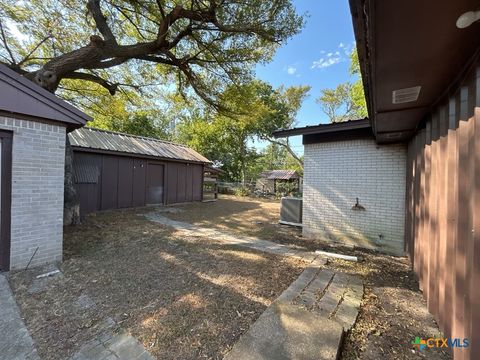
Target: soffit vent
x=406 y=95
x=394 y=135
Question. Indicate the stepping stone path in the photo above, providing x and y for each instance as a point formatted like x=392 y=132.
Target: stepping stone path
x=308 y=321
x=223 y=237
x=110 y=346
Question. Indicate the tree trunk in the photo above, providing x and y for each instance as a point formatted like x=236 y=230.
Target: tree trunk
x=71 y=212
x=243 y=156
x=289 y=149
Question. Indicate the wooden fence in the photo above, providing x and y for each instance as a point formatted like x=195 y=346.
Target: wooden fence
x=443 y=217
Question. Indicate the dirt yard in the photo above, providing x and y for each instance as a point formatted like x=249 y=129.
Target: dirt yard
x=192 y=298
x=393 y=311
x=245 y=216
x=181 y=298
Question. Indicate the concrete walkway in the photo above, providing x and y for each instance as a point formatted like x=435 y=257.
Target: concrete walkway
x=15 y=341
x=247 y=241
x=111 y=346
x=307 y=321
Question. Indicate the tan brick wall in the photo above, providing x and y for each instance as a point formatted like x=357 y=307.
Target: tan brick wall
x=336 y=173
x=38 y=157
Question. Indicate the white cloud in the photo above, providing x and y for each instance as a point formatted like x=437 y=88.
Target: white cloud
x=326 y=62
x=340 y=54
x=291 y=70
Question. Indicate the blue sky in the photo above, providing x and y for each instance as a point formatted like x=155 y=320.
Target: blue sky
x=318 y=57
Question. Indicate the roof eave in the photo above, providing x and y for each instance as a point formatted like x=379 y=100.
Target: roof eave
x=324 y=128
x=72 y=116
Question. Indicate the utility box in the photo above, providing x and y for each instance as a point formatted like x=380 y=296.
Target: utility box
x=291 y=211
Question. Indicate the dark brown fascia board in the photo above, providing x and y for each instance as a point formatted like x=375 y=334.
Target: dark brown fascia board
x=69 y=126
x=26 y=86
x=135 y=155
x=344 y=135
x=365 y=48
x=324 y=128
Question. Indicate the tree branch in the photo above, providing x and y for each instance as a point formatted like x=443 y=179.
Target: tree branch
x=26 y=58
x=112 y=88
x=5 y=43
x=101 y=21
x=287 y=147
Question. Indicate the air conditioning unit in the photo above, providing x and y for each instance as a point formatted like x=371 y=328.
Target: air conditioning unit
x=291 y=211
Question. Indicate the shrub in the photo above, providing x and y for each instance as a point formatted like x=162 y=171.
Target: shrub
x=241 y=191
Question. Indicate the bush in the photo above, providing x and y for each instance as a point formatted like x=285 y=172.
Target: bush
x=287 y=189
x=241 y=191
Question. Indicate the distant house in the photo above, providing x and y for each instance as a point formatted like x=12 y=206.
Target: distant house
x=272 y=181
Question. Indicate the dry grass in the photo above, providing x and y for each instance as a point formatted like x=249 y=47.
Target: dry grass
x=393 y=311
x=245 y=216
x=183 y=298
x=191 y=298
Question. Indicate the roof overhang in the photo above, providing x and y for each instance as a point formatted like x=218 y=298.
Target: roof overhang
x=406 y=44
x=348 y=130
x=21 y=97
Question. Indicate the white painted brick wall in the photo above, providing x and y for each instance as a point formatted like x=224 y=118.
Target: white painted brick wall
x=338 y=172
x=38 y=157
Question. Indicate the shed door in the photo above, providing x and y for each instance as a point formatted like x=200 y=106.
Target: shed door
x=155 y=184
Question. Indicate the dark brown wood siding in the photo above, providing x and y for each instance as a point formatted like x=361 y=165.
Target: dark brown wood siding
x=109 y=184
x=139 y=178
x=125 y=182
x=105 y=181
x=443 y=213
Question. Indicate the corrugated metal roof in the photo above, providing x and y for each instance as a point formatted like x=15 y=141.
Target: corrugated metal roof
x=280 y=174
x=112 y=141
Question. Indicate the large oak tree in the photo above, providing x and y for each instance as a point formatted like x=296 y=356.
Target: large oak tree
x=189 y=46
x=198 y=44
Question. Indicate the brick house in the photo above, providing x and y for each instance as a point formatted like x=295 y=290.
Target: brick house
x=33 y=128
x=354 y=188
x=414 y=165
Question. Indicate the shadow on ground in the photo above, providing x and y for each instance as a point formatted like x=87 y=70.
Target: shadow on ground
x=182 y=298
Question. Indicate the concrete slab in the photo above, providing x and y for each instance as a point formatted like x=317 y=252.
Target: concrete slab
x=287 y=331
x=121 y=346
x=15 y=341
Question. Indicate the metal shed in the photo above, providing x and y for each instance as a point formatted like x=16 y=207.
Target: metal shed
x=114 y=170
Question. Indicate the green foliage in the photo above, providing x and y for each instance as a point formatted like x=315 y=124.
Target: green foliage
x=347 y=100
x=241 y=191
x=273 y=157
x=206 y=56
x=252 y=111
x=285 y=188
